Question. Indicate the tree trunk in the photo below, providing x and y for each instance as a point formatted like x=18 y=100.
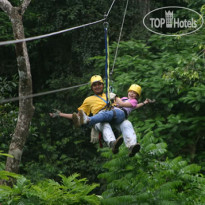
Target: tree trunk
x=141 y=8
x=144 y=6
x=26 y=108
x=193 y=148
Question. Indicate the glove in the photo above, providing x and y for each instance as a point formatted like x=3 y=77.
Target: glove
x=151 y=101
x=94 y=136
x=112 y=96
x=56 y=113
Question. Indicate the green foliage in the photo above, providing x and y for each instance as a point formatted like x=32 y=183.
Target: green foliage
x=70 y=191
x=195 y=97
x=5 y=27
x=149 y=178
x=169 y=69
x=55 y=146
x=8 y=111
x=8 y=86
x=8 y=119
x=5 y=175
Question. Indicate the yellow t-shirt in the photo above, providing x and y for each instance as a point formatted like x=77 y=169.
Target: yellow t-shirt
x=93 y=104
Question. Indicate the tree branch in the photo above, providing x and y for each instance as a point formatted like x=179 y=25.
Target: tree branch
x=6 y=6
x=24 y=6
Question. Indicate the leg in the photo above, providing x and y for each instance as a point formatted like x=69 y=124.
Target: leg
x=129 y=136
x=116 y=116
x=107 y=132
x=128 y=133
x=103 y=116
x=109 y=136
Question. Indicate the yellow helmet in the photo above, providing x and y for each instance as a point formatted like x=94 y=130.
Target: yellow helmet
x=136 y=88
x=96 y=78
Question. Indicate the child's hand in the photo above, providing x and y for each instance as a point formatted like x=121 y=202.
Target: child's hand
x=146 y=101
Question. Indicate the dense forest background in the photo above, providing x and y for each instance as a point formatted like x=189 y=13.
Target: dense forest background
x=59 y=165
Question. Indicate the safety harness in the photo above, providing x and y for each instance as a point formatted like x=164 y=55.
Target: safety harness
x=108 y=106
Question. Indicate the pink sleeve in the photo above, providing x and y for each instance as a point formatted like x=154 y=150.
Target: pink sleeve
x=133 y=102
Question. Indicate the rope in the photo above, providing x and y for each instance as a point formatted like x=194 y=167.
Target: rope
x=54 y=33
x=40 y=94
x=204 y=58
x=119 y=38
x=198 y=55
x=107 y=63
x=47 y=35
x=44 y=36
x=110 y=9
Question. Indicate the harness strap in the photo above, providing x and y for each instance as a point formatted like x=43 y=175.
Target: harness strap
x=107 y=106
x=114 y=113
x=107 y=71
x=100 y=140
x=125 y=111
x=101 y=98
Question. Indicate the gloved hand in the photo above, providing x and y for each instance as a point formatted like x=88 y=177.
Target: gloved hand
x=56 y=113
x=94 y=136
x=112 y=96
x=151 y=101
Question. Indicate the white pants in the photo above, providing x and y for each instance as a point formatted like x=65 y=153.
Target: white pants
x=125 y=128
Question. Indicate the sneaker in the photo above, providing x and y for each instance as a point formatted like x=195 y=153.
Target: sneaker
x=76 y=119
x=83 y=118
x=134 y=149
x=116 y=144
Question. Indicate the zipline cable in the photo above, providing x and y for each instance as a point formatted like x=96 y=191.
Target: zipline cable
x=40 y=94
x=44 y=36
x=198 y=55
x=47 y=35
x=119 y=38
x=55 y=33
x=110 y=9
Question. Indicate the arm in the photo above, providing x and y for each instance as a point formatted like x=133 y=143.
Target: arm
x=143 y=103
x=60 y=114
x=121 y=103
x=65 y=115
x=83 y=107
x=128 y=104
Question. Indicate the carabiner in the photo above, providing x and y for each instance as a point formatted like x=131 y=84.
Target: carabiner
x=106 y=24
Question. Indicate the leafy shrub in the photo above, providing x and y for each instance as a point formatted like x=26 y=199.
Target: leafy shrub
x=149 y=178
x=70 y=191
